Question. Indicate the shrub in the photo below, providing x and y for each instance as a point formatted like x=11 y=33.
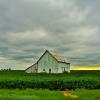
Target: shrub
x=52 y=85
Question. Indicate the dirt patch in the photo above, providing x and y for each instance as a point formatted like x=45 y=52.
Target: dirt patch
x=69 y=94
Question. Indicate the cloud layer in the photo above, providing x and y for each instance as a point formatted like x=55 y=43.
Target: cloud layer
x=28 y=27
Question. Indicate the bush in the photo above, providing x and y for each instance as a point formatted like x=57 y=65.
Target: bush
x=52 y=85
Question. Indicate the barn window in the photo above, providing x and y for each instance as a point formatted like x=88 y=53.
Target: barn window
x=43 y=69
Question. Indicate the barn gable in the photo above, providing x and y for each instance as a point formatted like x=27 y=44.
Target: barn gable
x=47 y=62
x=46 y=52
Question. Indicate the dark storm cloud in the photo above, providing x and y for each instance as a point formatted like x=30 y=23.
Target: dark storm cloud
x=28 y=27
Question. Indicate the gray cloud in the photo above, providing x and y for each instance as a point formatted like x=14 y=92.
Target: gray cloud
x=28 y=27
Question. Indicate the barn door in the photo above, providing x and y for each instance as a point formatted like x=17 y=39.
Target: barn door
x=63 y=69
x=49 y=70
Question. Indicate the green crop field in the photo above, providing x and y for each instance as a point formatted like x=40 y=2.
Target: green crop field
x=74 y=75
x=73 y=80
x=30 y=94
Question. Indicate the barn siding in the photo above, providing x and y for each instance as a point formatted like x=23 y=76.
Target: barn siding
x=32 y=69
x=28 y=70
x=61 y=66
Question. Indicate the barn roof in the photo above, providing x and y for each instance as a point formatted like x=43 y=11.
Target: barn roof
x=58 y=57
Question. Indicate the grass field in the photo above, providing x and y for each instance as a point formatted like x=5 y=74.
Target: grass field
x=44 y=94
x=74 y=75
x=30 y=94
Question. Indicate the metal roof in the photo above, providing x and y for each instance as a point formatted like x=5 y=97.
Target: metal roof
x=58 y=57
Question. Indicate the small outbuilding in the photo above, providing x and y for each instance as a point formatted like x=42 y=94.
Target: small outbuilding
x=49 y=62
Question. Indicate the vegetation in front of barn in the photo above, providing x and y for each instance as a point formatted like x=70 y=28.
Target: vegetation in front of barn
x=74 y=80
x=51 y=85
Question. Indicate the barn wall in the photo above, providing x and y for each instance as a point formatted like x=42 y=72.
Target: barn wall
x=63 y=65
x=68 y=65
x=32 y=69
x=47 y=62
x=28 y=70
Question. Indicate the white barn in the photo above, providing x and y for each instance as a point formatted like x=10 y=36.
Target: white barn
x=49 y=63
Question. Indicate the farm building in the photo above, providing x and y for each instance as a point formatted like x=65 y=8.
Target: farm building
x=49 y=63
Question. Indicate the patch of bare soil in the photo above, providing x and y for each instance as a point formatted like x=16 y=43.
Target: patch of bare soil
x=69 y=94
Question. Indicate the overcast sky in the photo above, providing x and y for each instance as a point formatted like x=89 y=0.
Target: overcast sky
x=28 y=27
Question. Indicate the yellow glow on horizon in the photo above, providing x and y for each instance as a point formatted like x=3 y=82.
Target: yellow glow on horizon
x=86 y=68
